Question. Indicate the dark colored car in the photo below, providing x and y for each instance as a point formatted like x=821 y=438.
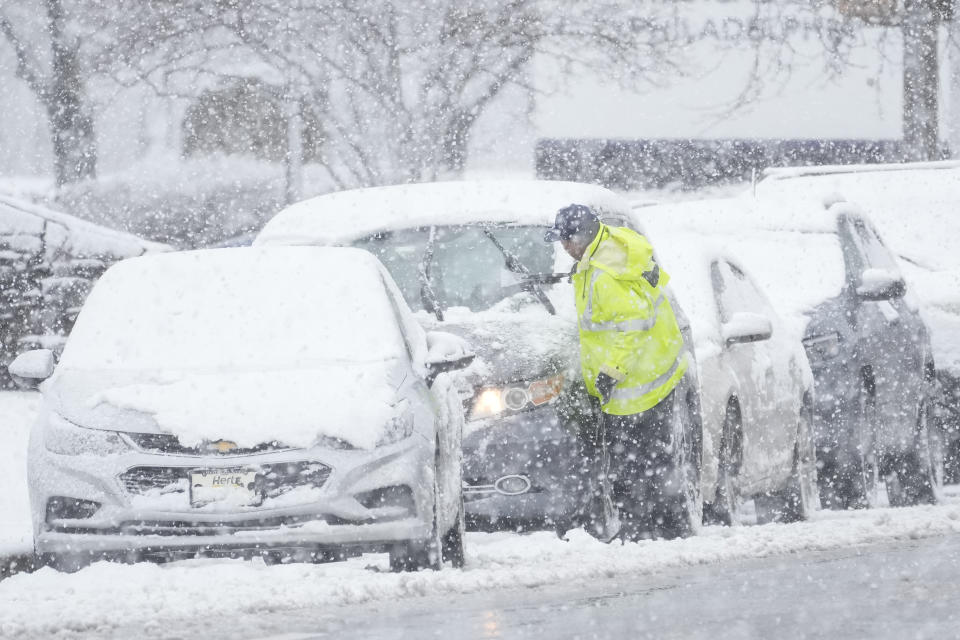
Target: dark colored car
x=470 y=259
x=832 y=277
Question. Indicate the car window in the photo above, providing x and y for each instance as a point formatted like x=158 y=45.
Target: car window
x=735 y=291
x=875 y=251
x=466 y=269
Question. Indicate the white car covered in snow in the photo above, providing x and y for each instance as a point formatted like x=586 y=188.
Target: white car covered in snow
x=755 y=382
x=278 y=402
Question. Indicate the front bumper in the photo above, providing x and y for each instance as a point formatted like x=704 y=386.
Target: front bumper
x=532 y=445
x=338 y=513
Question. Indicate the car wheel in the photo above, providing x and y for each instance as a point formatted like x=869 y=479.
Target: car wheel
x=914 y=479
x=415 y=555
x=848 y=477
x=452 y=543
x=951 y=461
x=680 y=511
x=796 y=500
x=724 y=509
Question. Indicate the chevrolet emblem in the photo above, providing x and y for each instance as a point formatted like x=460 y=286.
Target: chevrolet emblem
x=223 y=446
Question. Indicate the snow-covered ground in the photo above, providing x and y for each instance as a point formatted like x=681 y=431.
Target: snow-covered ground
x=47 y=602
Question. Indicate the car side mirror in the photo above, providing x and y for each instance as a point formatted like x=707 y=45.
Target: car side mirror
x=745 y=326
x=446 y=352
x=30 y=368
x=880 y=284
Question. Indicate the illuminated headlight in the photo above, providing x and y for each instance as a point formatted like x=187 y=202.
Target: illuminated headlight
x=493 y=401
x=822 y=347
x=67 y=439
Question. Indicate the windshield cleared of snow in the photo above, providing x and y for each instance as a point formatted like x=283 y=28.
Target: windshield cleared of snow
x=466 y=269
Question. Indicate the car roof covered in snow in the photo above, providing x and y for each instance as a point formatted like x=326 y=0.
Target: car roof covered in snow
x=345 y=216
x=792 y=252
x=914 y=206
x=22 y=220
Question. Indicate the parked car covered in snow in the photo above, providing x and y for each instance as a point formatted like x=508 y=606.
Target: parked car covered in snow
x=48 y=262
x=470 y=258
x=756 y=387
x=839 y=288
x=210 y=403
x=914 y=206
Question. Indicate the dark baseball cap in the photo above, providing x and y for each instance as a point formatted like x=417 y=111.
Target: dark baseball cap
x=571 y=220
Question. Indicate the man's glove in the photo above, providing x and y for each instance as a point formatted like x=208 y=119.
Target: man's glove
x=605 y=385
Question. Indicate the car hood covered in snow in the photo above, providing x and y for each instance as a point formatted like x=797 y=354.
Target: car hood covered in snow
x=354 y=403
x=513 y=347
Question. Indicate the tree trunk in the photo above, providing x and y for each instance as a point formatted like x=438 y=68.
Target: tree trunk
x=953 y=67
x=455 y=140
x=71 y=123
x=293 y=159
x=921 y=81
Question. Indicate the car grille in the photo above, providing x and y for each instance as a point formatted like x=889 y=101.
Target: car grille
x=169 y=444
x=273 y=479
x=191 y=528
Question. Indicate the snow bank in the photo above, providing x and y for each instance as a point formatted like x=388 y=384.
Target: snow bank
x=17 y=412
x=47 y=602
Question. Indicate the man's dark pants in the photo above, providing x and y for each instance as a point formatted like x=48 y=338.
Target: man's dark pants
x=642 y=476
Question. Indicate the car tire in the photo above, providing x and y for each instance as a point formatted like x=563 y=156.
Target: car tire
x=951 y=461
x=452 y=543
x=914 y=479
x=679 y=513
x=724 y=509
x=796 y=500
x=848 y=479
x=415 y=555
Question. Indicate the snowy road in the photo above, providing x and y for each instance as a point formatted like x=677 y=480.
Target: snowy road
x=872 y=573
x=899 y=590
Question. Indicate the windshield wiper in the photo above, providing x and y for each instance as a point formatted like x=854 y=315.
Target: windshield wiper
x=550 y=278
x=428 y=297
x=528 y=281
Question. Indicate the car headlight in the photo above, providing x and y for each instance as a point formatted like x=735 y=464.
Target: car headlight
x=514 y=398
x=823 y=347
x=398 y=427
x=67 y=439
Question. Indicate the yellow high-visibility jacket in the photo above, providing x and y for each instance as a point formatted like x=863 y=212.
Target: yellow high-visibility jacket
x=627 y=326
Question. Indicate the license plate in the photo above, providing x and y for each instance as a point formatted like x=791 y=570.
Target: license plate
x=227 y=487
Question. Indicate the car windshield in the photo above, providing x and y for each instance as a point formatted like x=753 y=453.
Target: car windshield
x=235 y=309
x=466 y=268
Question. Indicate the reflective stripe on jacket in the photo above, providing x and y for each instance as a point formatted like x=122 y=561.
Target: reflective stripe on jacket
x=627 y=326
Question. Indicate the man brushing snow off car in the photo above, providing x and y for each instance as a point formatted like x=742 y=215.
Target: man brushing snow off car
x=632 y=357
